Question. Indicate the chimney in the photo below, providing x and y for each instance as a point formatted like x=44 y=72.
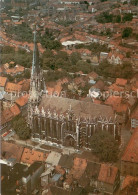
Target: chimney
x=109 y=172
x=132 y=158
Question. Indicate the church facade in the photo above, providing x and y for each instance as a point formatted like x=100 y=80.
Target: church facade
x=63 y=121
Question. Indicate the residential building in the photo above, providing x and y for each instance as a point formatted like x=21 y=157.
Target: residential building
x=22 y=102
x=31 y=177
x=3 y=81
x=29 y=156
x=8 y=115
x=53 y=159
x=13 y=88
x=115 y=58
x=108 y=179
x=10 y=150
x=66 y=162
x=75 y=173
x=134 y=118
x=129 y=185
x=129 y=160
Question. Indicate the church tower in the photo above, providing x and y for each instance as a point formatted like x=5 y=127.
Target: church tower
x=37 y=83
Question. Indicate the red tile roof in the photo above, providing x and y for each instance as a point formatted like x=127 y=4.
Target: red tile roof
x=29 y=156
x=21 y=101
x=131 y=152
x=115 y=87
x=3 y=81
x=128 y=180
x=8 y=114
x=135 y=113
x=77 y=170
x=107 y=173
x=15 y=110
x=12 y=87
x=25 y=84
x=94 y=75
x=117 y=104
x=121 y=82
x=17 y=69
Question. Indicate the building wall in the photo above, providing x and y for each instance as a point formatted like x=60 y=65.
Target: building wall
x=129 y=168
x=105 y=187
x=1 y=88
x=134 y=123
x=36 y=176
x=110 y=188
x=68 y=132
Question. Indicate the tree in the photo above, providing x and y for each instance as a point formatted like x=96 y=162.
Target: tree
x=75 y=57
x=126 y=70
x=134 y=2
x=48 y=41
x=20 y=127
x=27 y=74
x=108 y=32
x=21 y=32
x=128 y=54
x=127 y=17
x=48 y=54
x=118 y=19
x=7 y=50
x=127 y=32
x=104 y=17
x=62 y=54
x=104 y=146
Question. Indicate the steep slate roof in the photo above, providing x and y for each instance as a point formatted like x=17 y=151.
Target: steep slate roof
x=131 y=152
x=80 y=108
x=105 y=176
x=66 y=161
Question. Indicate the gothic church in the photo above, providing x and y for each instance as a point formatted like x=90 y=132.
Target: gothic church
x=62 y=121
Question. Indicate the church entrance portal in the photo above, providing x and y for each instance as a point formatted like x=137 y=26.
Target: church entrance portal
x=69 y=141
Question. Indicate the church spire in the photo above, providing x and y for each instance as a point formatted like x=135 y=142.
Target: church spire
x=35 y=62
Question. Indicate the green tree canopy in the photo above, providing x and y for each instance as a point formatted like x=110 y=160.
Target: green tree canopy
x=134 y=2
x=75 y=57
x=127 y=32
x=127 y=17
x=105 y=146
x=20 y=127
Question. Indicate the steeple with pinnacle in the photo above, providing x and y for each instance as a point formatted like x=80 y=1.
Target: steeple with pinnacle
x=35 y=62
x=37 y=83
